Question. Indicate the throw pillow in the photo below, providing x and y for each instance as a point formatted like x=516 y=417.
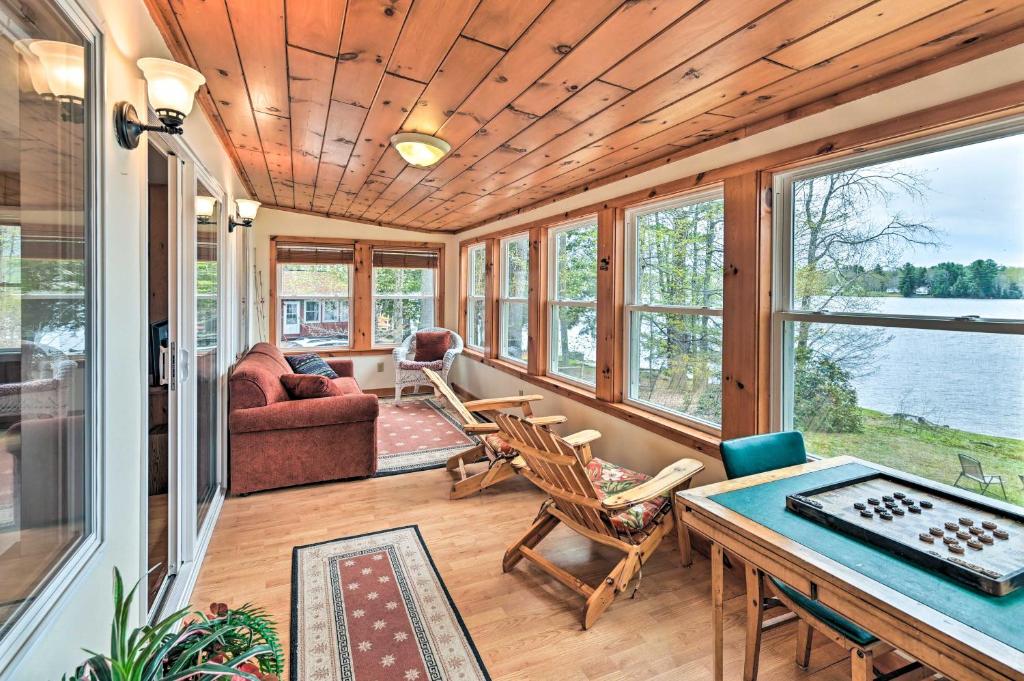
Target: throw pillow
x=309 y=386
x=310 y=364
x=431 y=345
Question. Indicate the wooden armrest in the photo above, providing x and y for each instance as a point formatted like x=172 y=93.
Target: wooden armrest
x=584 y=437
x=499 y=403
x=481 y=428
x=668 y=479
x=546 y=420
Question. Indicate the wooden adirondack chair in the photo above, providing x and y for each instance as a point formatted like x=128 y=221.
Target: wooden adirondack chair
x=608 y=504
x=478 y=419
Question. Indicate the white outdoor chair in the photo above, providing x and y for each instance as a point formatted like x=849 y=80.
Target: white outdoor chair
x=970 y=469
x=409 y=372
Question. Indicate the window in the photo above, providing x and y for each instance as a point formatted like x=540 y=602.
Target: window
x=573 y=302
x=48 y=463
x=315 y=295
x=515 y=293
x=674 y=307
x=900 y=319
x=403 y=294
x=476 y=291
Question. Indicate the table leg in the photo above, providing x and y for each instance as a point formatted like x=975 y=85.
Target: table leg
x=755 y=617
x=717 y=605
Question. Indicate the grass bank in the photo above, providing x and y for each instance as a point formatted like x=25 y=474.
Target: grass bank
x=927 y=451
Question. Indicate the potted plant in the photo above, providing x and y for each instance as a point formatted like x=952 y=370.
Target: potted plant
x=226 y=643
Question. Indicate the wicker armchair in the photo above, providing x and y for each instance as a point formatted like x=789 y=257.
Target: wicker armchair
x=409 y=372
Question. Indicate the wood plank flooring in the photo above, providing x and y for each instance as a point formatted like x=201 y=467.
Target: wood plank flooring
x=525 y=625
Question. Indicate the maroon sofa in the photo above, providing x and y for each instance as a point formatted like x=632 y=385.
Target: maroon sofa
x=280 y=442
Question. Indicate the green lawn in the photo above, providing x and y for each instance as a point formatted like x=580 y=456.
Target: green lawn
x=930 y=452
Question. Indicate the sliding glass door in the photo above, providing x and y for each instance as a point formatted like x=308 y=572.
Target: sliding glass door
x=208 y=401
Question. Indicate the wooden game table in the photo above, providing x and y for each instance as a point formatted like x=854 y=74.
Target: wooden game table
x=957 y=631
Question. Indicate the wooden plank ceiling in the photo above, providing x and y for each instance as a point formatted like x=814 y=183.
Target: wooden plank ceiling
x=536 y=97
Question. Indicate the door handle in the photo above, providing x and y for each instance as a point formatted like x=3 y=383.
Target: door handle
x=184 y=368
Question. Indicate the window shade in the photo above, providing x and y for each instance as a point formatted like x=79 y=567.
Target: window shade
x=315 y=254
x=410 y=259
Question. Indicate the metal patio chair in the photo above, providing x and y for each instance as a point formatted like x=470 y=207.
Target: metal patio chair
x=970 y=469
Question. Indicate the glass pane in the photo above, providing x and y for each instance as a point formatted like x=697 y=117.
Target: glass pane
x=397 y=318
x=679 y=255
x=313 y=289
x=477 y=270
x=44 y=313
x=515 y=330
x=403 y=281
x=574 y=342
x=912 y=399
x=516 y=268
x=896 y=236
x=207 y=393
x=475 y=323
x=676 y=363
x=576 y=263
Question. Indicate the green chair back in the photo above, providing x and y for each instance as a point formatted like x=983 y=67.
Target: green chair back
x=761 y=453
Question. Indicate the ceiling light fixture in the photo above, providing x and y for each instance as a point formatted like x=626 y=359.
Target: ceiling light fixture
x=171 y=88
x=420 y=150
x=245 y=210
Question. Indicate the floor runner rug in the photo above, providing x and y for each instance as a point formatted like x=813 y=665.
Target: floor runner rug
x=416 y=434
x=374 y=608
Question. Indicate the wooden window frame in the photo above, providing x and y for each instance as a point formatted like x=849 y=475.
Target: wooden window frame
x=703 y=194
x=552 y=303
x=374 y=297
x=360 y=291
x=503 y=297
x=747 y=279
x=466 y=299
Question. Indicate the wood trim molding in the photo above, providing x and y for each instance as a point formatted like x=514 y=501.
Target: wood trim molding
x=610 y=267
x=537 y=335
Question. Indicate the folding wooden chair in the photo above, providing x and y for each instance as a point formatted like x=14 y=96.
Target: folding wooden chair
x=608 y=504
x=478 y=419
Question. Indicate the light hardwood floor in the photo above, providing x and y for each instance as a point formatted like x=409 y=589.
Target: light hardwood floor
x=525 y=625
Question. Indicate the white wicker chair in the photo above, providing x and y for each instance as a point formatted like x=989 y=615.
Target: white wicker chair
x=413 y=375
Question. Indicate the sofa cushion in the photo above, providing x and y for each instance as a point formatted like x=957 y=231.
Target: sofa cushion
x=310 y=386
x=431 y=345
x=256 y=382
x=346 y=385
x=310 y=363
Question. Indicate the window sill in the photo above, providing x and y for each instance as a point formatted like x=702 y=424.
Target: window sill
x=336 y=352
x=670 y=429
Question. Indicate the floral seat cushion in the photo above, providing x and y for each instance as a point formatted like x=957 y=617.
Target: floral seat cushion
x=408 y=364
x=610 y=479
x=500 y=446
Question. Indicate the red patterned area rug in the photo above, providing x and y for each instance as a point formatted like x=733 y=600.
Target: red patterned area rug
x=416 y=434
x=374 y=608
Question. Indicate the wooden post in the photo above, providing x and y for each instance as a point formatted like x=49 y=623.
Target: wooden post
x=537 y=343
x=746 y=324
x=492 y=330
x=362 y=300
x=610 y=265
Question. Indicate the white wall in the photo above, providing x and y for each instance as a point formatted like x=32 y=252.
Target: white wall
x=287 y=223
x=82 y=618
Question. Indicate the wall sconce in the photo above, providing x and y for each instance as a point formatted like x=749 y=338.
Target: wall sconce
x=420 y=150
x=171 y=88
x=205 y=206
x=57 y=71
x=245 y=210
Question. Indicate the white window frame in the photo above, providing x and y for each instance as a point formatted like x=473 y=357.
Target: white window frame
x=66 y=575
x=429 y=296
x=783 y=309
x=471 y=297
x=301 y=300
x=630 y=304
x=554 y=303
x=504 y=299
x=306 y=308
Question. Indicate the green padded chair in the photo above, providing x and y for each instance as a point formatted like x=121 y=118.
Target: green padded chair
x=759 y=454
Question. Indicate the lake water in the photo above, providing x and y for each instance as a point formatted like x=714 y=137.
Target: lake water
x=970 y=381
